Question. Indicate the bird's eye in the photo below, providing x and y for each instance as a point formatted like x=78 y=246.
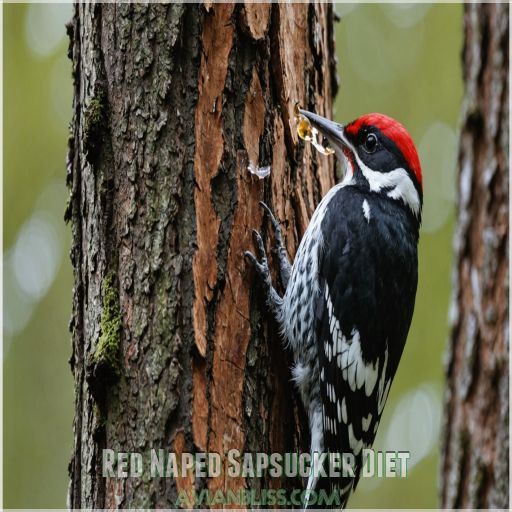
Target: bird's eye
x=370 y=143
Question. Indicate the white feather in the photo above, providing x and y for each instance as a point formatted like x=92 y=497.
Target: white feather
x=365 y=422
x=344 y=410
x=366 y=210
x=355 y=444
x=372 y=374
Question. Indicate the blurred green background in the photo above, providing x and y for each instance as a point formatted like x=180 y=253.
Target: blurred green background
x=399 y=59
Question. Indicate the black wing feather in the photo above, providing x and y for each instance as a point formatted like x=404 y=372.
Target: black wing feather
x=370 y=280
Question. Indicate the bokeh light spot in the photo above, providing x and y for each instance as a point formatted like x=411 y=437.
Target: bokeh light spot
x=438 y=155
x=45 y=27
x=405 y=15
x=36 y=256
x=373 y=61
x=415 y=424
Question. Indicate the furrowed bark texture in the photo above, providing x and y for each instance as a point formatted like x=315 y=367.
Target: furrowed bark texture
x=171 y=347
x=475 y=451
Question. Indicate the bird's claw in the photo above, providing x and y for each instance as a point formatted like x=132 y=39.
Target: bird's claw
x=279 y=248
x=260 y=263
x=260 y=246
x=275 y=223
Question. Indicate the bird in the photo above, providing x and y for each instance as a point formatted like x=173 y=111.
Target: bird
x=349 y=296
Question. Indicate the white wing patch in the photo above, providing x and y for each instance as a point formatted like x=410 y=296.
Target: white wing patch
x=355 y=444
x=366 y=210
x=365 y=422
x=347 y=352
x=371 y=378
x=384 y=397
x=344 y=411
x=359 y=373
x=383 y=386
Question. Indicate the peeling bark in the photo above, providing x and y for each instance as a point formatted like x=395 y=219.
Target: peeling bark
x=172 y=103
x=475 y=451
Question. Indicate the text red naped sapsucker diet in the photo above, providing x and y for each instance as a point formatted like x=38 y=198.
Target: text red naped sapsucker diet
x=350 y=292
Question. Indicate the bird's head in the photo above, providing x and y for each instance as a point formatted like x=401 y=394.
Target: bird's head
x=380 y=151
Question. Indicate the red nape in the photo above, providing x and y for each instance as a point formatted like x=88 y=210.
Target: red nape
x=394 y=131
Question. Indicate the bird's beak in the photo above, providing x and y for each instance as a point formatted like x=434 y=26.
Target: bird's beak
x=333 y=131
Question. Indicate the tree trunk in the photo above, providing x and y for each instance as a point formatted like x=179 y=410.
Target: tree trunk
x=475 y=458
x=171 y=349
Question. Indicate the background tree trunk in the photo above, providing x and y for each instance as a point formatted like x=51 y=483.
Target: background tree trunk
x=475 y=456
x=171 y=349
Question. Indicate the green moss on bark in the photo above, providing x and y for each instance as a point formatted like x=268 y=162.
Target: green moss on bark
x=94 y=115
x=108 y=349
x=95 y=119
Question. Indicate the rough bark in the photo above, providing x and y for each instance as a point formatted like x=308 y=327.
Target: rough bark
x=475 y=451
x=171 y=348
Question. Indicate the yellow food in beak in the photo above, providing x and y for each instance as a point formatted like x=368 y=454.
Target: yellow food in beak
x=304 y=129
x=310 y=134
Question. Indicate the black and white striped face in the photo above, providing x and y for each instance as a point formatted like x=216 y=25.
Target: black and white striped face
x=378 y=149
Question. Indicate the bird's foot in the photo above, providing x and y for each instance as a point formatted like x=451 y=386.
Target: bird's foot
x=260 y=265
x=279 y=249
